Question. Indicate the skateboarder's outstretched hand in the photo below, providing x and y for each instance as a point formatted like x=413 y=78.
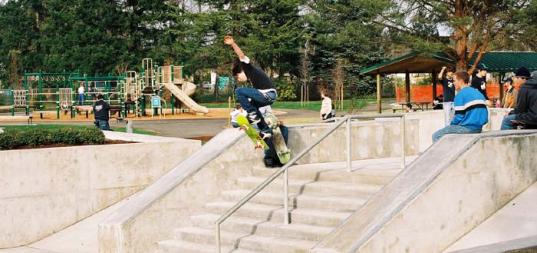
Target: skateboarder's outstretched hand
x=228 y=40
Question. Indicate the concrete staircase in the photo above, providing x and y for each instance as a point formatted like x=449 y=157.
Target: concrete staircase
x=321 y=197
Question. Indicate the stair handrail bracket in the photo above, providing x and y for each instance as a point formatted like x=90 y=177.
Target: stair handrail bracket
x=284 y=170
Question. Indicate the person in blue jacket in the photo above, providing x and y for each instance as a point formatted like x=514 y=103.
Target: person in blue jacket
x=470 y=109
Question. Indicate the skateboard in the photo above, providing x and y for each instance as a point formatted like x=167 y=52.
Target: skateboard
x=252 y=133
x=284 y=154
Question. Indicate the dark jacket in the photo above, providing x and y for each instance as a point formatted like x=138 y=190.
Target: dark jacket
x=526 y=107
x=101 y=110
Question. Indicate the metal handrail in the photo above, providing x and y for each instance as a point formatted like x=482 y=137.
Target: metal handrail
x=284 y=169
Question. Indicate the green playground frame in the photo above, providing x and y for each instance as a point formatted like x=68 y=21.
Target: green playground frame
x=129 y=90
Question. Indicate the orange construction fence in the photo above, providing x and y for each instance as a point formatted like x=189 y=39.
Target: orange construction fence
x=424 y=93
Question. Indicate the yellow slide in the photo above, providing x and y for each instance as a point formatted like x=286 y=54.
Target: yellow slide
x=184 y=98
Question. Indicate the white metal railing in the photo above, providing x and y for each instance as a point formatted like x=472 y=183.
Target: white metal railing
x=284 y=170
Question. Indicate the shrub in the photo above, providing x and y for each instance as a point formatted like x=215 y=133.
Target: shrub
x=34 y=136
x=286 y=90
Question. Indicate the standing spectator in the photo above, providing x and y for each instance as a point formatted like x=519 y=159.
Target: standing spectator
x=479 y=80
x=235 y=113
x=526 y=107
x=446 y=75
x=102 y=113
x=470 y=110
x=81 y=94
x=326 y=106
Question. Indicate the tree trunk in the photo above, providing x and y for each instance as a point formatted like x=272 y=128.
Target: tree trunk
x=461 y=39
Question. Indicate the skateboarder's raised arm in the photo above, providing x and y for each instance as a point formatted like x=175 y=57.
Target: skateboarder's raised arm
x=228 y=40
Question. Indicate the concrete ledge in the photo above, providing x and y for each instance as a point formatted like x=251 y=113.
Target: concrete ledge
x=459 y=192
x=522 y=245
x=46 y=190
x=370 y=140
x=151 y=215
x=112 y=135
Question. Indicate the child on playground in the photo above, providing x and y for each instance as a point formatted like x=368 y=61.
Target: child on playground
x=262 y=94
x=81 y=94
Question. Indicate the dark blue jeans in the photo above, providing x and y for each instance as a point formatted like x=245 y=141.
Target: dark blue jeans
x=251 y=99
x=80 y=99
x=102 y=124
x=506 y=122
x=453 y=129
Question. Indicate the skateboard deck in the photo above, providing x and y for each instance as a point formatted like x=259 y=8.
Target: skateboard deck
x=252 y=133
x=284 y=154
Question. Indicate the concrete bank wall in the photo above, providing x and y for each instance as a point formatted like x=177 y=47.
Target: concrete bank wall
x=370 y=139
x=46 y=190
x=431 y=121
x=477 y=176
x=151 y=215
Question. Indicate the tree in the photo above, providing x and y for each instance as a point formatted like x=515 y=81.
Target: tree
x=345 y=30
x=268 y=31
x=475 y=27
x=14 y=68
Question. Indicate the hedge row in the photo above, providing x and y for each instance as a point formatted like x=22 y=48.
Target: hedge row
x=36 y=136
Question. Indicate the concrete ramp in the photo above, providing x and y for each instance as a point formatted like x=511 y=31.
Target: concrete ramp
x=184 y=98
x=450 y=189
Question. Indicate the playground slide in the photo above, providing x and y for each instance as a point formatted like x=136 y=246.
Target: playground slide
x=183 y=97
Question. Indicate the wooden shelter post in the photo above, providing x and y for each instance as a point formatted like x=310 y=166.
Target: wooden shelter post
x=434 y=77
x=407 y=86
x=379 y=94
x=502 y=76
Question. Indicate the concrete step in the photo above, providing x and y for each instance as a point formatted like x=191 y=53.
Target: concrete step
x=299 y=201
x=273 y=229
x=206 y=236
x=178 y=246
x=374 y=171
x=293 y=231
x=275 y=245
x=234 y=224
x=276 y=214
x=319 y=188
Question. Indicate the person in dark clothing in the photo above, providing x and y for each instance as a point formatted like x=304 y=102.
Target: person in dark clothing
x=102 y=113
x=525 y=111
x=446 y=75
x=437 y=103
x=262 y=94
x=271 y=159
x=479 y=81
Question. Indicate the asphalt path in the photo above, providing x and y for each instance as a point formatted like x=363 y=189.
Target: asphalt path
x=190 y=128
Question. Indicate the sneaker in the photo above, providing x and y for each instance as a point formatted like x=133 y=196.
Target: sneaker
x=265 y=134
x=253 y=118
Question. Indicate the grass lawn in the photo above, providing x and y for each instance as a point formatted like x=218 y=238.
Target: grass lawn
x=52 y=126
x=312 y=105
x=134 y=130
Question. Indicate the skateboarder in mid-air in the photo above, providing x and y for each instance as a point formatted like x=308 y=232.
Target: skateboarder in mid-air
x=262 y=94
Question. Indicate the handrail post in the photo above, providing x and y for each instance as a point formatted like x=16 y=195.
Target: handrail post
x=286 y=196
x=403 y=142
x=349 y=148
x=218 y=238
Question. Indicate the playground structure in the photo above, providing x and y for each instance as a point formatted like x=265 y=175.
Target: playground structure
x=131 y=91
